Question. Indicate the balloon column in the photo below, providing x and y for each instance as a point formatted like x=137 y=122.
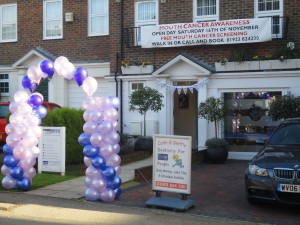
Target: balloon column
x=100 y=141
x=100 y=138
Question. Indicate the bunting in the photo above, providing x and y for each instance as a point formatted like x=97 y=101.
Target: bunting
x=172 y=88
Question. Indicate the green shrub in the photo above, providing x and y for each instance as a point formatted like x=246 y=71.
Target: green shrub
x=72 y=119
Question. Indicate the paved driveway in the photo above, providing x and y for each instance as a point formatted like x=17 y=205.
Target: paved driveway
x=218 y=190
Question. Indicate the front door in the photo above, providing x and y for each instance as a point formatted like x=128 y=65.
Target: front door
x=185 y=115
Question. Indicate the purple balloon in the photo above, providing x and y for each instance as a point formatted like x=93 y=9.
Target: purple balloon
x=80 y=75
x=24 y=184
x=47 y=67
x=114 y=183
x=10 y=161
x=108 y=172
x=118 y=192
x=84 y=139
x=40 y=111
x=35 y=100
x=16 y=172
x=28 y=84
x=98 y=162
x=7 y=150
x=90 y=151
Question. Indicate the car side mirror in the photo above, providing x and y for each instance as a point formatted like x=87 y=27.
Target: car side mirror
x=260 y=141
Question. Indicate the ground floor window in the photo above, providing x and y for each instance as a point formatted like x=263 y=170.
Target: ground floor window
x=4 y=85
x=247 y=119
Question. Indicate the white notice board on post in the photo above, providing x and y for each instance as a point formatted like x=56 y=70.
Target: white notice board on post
x=172 y=163
x=52 y=144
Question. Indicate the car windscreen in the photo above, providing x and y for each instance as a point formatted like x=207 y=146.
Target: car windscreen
x=286 y=134
x=4 y=110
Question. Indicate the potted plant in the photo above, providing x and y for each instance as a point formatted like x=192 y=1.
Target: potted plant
x=213 y=110
x=143 y=100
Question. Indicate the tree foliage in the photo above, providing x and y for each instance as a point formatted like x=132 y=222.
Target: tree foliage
x=145 y=99
x=284 y=107
x=213 y=110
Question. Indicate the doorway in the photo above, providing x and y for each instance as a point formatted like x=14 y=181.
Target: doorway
x=185 y=115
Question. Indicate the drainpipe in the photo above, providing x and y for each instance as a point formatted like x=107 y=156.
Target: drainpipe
x=116 y=73
x=121 y=57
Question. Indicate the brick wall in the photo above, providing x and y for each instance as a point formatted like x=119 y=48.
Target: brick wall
x=181 y=12
x=75 y=44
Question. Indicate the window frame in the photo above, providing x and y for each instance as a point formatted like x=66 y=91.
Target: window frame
x=271 y=13
x=4 y=94
x=45 y=20
x=90 y=16
x=14 y=22
x=139 y=23
x=131 y=90
x=215 y=17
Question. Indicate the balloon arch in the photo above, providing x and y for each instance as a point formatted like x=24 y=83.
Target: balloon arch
x=100 y=139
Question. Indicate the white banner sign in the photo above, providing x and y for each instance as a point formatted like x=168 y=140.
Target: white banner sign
x=52 y=146
x=172 y=163
x=207 y=33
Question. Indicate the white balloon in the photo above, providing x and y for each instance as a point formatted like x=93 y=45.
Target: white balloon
x=31 y=121
x=87 y=161
x=9 y=129
x=16 y=119
x=59 y=63
x=89 y=85
x=34 y=74
x=37 y=131
x=24 y=108
x=86 y=115
x=29 y=141
x=20 y=130
x=27 y=163
x=35 y=151
x=19 y=151
x=68 y=71
x=13 y=106
x=5 y=170
x=21 y=96
x=12 y=140
x=29 y=173
x=89 y=103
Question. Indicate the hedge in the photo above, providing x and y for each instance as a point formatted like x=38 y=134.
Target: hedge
x=72 y=119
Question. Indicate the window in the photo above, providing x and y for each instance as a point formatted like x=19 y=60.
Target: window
x=206 y=10
x=98 y=17
x=274 y=9
x=146 y=14
x=136 y=86
x=4 y=85
x=8 y=23
x=53 y=19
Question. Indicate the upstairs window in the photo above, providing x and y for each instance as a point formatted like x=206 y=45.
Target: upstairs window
x=146 y=14
x=8 y=23
x=53 y=19
x=206 y=10
x=4 y=85
x=98 y=21
x=274 y=9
